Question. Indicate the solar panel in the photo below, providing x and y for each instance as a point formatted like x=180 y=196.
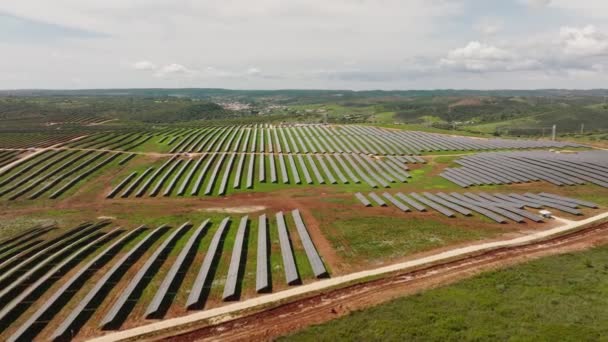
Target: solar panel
x=226 y=175
x=273 y=170
x=445 y=211
x=55 y=250
x=120 y=185
x=377 y=199
x=311 y=252
x=315 y=170
x=113 y=313
x=294 y=169
x=304 y=169
x=235 y=261
x=83 y=245
x=552 y=200
x=254 y=139
x=573 y=200
x=395 y=202
x=203 y=273
x=374 y=175
x=162 y=179
x=283 y=168
x=103 y=282
x=411 y=202
x=262 y=169
x=184 y=184
x=261 y=279
x=358 y=171
x=249 y=183
x=23 y=240
x=142 y=189
x=239 y=171
x=477 y=207
x=289 y=264
x=545 y=204
x=214 y=173
x=549 y=204
x=362 y=199
x=175 y=179
x=62 y=292
x=452 y=206
x=161 y=294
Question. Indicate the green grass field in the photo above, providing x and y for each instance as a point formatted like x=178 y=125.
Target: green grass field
x=557 y=298
x=377 y=238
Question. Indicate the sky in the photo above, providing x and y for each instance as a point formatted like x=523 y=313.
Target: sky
x=304 y=44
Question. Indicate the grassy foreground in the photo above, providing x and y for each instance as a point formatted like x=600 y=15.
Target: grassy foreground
x=557 y=298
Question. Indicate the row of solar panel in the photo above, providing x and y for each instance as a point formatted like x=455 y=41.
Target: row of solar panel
x=498 y=207
x=51 y=170
x=31 y=266
x=192 y=174
x=111 y=141
x=334 y=139
x=508 y=168
x=9 y=156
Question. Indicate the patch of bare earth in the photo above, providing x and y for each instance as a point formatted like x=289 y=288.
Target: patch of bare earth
x=235 y=210
x=468 y=102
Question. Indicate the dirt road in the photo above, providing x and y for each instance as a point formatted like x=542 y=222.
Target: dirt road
x=36 y=151
x=324 y=307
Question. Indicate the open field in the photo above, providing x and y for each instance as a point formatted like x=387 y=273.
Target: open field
x=558 y=297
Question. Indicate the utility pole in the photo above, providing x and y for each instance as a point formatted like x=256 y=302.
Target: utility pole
x=553 y=132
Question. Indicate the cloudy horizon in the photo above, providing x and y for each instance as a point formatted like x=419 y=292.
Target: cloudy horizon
x=297 y=44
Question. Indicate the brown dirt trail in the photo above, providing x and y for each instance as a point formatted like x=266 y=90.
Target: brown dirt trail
x=328 y=305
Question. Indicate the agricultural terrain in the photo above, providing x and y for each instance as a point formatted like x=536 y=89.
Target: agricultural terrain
x=123 y=211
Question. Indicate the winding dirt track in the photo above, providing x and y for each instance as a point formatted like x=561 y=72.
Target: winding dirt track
x=330 y=304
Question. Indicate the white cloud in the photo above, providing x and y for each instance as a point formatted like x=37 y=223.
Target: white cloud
x=480 y=57
x=238 y=33
x=537 y=3
x=479 y=51
x=253 y=71
x=305 y=43
x=174 y=69
x=164 y=71
x=489 y=26
x=214 y=72
x=582 y=9
x=144 y=65
x=570 y=52
x=585 y=41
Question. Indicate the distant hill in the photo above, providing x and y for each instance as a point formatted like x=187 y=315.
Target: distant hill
x=297 y=93
x=500 y=112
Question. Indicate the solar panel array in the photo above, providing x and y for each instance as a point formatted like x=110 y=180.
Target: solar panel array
x=498 y=207
x=342 y=156
x=21 y=140
x=314 y=138
x=111 y=141
x=215 y=174
x=306 y=154
x=530 y=166
x=101 y=259
x=51 y=173
x=8 y=156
